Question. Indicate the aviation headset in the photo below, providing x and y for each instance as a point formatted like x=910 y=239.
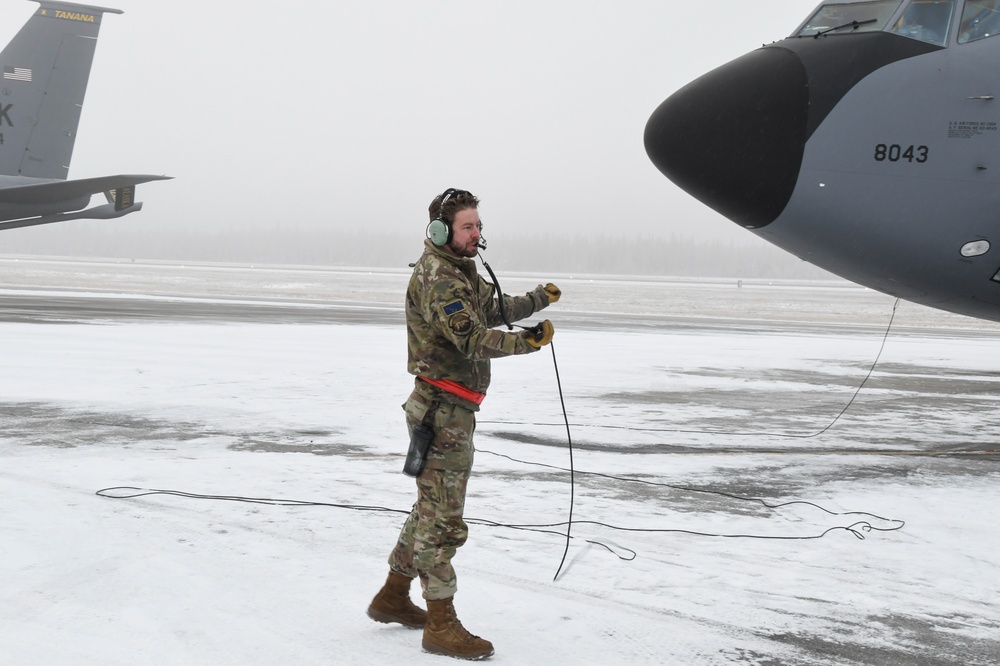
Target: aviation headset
x=439 y=231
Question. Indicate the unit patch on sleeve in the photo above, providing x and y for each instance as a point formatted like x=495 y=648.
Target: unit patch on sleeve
x=461 y=323
x=454 y=307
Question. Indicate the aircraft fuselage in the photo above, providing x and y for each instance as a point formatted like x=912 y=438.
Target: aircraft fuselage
x=873 y=155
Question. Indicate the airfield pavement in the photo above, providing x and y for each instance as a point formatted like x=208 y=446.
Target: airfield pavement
x=286 y=382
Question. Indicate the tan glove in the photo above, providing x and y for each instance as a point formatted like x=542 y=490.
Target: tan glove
x=552 y=291
x=540 y=335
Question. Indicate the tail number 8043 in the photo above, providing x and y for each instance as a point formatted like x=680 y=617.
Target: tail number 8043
x=896 y=153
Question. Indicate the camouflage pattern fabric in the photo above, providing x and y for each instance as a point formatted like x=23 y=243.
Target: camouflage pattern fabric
x=434 y=530
x=449 y=314
x=453 y=426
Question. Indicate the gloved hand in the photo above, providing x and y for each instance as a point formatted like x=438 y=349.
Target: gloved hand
x=553 y=292
x=539 y=335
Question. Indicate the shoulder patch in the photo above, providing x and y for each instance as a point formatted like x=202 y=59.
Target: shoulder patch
x=460 y=323
x=454 y=307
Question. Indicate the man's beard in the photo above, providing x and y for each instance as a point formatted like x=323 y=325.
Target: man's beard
x=464 y=250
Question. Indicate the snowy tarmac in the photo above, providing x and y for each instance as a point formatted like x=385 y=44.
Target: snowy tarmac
x=690 y=401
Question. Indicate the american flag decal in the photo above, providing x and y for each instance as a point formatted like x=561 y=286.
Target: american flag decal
x=17 y=73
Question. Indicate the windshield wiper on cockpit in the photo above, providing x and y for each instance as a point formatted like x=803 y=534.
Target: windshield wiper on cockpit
x=853 y=25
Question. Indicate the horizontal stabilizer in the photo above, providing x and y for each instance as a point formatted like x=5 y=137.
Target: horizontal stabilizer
x=106 y=212
x=61 y=190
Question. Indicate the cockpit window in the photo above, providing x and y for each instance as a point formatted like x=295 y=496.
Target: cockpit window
x=981 y=19
x=926 y=20
x=849 y=17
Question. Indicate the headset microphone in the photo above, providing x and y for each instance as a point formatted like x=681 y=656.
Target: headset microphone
x=482 y=243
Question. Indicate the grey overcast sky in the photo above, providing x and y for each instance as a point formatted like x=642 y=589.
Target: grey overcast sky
x=310 y=113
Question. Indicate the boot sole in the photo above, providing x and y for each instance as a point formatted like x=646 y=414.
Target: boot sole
x=385 y=618
x=437 y=649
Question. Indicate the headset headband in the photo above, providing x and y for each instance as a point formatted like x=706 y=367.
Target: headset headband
x=449 y=193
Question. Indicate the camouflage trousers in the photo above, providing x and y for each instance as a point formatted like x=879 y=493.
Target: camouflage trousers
x=434 y=530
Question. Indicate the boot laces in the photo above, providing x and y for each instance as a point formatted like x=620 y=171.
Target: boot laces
x=459 y=628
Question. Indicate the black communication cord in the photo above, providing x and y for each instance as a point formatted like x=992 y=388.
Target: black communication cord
x=572 y=467
x=569 y=435
x=134 y=492
x=496 y=288
x=733 y=433
x=858 y=528
x=867 y=527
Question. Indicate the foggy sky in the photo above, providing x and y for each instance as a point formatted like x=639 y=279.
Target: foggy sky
x=311 y=114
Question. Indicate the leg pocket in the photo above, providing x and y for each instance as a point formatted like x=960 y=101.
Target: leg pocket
x=416 y=407
x=452 y=446
x=440 y=508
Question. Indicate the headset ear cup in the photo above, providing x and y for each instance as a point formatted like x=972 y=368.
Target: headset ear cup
x=438 y=232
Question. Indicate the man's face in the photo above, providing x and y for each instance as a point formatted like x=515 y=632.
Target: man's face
x=465 y=233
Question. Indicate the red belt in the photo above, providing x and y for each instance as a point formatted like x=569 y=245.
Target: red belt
x=457 y=389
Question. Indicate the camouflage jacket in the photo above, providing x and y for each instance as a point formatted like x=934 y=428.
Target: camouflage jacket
x=450 y=312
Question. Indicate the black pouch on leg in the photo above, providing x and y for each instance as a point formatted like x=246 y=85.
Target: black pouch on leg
x=416 y=456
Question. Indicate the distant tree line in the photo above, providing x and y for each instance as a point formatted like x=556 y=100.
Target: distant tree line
x=580 y=253
x=650 y=255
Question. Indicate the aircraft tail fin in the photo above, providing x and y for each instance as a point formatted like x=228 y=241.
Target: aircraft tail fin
x=46 y=68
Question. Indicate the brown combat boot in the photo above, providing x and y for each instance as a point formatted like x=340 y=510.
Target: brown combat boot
x=392 y=603
x=444 y=634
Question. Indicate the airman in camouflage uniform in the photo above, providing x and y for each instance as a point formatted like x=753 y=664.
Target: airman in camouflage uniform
x=450 y=312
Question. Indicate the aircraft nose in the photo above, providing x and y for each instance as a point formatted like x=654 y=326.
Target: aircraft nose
x=734 y=138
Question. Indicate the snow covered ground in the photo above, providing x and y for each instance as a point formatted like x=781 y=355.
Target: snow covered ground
x=286 y=384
